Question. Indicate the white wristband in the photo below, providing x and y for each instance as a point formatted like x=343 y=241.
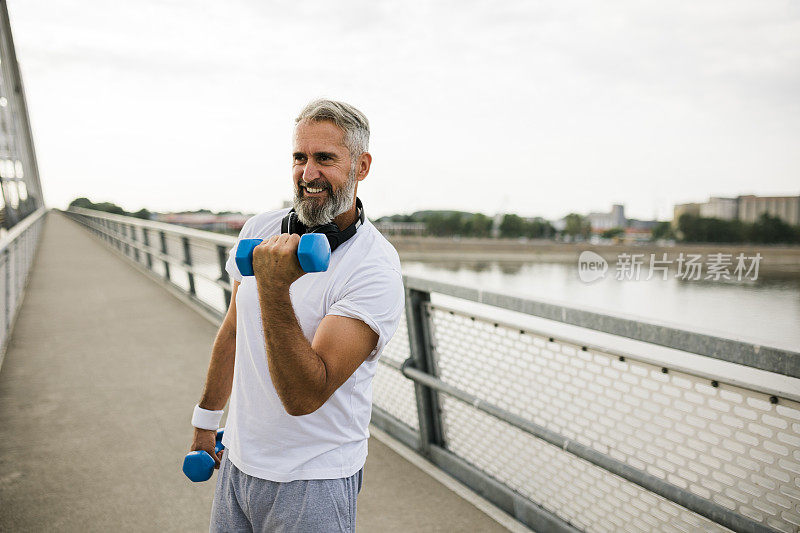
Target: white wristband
x=205 y=419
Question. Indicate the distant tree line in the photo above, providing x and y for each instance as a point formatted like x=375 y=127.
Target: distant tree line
x=516 y=226
x=691 y=228
x=578 y=226
x=467 y=224
x=205 y=211
x=766 y=230
x=663 y=230
x=108 y=207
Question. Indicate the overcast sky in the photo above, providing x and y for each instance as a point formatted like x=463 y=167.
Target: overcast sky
x=538 y=108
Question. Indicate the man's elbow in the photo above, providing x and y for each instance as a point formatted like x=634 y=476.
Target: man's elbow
x=300 y=411
x=302 y=407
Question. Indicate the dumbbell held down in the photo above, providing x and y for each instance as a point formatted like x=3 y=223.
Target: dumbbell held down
x=313 y=252
x=198 y=465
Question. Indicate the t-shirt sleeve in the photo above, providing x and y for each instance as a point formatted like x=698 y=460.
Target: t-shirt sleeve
x=378 y=300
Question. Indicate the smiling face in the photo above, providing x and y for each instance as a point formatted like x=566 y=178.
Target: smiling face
x=324 y=177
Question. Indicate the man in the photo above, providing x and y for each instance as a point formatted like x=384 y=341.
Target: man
x=296 y=352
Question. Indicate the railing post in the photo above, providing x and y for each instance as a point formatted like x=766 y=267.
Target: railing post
x=187 y=260
x=7 y=296
x=164 y=251
x=421 y=345
x=18 y=281
x=133 y=238
x=222 y=255
x=26 y=244
x=123 y=230
x=148 y=255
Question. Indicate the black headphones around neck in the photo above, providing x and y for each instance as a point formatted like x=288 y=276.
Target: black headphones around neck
x=291 y=224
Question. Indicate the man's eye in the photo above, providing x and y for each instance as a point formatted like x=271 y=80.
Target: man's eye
x=324 y=158
x=299 y=158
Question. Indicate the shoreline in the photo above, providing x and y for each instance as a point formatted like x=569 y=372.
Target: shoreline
x=775 y=259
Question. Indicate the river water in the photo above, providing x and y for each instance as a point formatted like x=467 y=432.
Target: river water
x=765 y=311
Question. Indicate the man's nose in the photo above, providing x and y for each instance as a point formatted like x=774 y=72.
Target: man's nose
x=310 y=171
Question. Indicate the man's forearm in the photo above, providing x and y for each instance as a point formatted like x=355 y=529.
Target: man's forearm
x=220 y=370
x=298 y=373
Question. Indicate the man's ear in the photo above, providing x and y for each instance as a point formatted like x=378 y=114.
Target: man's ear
x=363 y=165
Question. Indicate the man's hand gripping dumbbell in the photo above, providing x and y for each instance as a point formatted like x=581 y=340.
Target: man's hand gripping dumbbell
x=200 y=464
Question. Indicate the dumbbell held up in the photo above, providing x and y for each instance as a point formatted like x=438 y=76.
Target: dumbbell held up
x=198 y=465
x=313 y=252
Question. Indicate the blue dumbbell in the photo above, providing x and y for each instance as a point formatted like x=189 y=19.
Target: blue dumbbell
x=313 y=251
x=198 y=465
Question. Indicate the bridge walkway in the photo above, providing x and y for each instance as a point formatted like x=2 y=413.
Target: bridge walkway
x=96 y=391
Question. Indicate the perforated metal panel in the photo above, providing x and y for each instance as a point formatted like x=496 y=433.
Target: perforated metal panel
x=724 y=443
x=397 y=349
x=391 y=391
x=584 y=495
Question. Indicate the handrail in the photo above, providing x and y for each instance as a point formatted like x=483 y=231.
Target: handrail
x=766 y=358
x=767 y=384
x=209 y=236
x=158 y=254
x=21 y=227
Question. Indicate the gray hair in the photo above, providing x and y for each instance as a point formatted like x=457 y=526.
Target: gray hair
x=352 y=121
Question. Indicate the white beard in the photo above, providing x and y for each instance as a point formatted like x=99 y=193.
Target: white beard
x=311 y=213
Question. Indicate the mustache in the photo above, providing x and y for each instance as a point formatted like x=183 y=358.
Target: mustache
x=316 y=184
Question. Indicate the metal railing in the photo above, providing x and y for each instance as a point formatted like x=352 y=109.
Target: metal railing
x=17 y=250
x=190 y=262
x=562 y=433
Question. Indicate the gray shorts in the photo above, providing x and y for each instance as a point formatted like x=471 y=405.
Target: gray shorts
x=247 y=503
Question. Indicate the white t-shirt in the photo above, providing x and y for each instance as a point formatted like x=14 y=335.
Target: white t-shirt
x=363 y=281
